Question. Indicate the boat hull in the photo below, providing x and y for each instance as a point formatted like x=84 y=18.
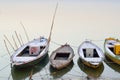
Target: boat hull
x=114 y=59
x=111 y=55
x=62 y=57
x=91 y=65
x=32 y=63
x=90 y=54
x=58 y=67
x=22 y=57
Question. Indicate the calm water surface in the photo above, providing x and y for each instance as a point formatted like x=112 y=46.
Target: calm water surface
x=75 y=21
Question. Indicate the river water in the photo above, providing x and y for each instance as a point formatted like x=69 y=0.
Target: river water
x=75 y=22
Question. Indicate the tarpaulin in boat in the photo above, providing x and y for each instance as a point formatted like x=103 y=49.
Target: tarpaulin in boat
x=34 y=50
x=117 y=49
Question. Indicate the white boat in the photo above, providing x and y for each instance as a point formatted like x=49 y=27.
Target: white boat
x=112 y=49
x=26 y=73
x=30 y=53
x=90 y=54
x=61 y=57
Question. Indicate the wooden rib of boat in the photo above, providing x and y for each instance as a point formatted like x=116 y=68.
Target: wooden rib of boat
x=112 y=49
x=90 y=54
x=62 y=57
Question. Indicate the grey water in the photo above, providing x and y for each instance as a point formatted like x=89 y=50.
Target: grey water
x=75 y=22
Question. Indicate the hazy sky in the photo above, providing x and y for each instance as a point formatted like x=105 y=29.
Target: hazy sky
x=87 y=17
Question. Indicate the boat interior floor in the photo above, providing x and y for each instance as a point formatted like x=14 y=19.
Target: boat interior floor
x=25 y=53
x=112 y=49
x=62 y=56
x=90 y=54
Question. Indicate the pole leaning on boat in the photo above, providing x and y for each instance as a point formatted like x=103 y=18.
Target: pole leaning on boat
x=52 y=23
x=25 y=31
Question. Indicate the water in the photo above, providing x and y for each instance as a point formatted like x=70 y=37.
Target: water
x=75 y=21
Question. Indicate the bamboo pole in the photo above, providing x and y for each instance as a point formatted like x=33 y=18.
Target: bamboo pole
x=31 y=73
x=18 y=38
x=52 y=23
x=21 y=39
x=14 y=42
x=25 y=31
x=9 y=42
x=7 y=48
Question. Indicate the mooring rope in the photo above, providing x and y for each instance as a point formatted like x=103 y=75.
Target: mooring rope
x=5 y=54
x=9 y=76
x=56 y=43
x=4 y=67
x=59 y=44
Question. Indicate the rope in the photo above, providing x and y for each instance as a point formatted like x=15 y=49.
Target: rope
x=5 y=54
x=94 y=40
x=59 y=44
x=4 y=67
x=9 y=76
x=56 y=43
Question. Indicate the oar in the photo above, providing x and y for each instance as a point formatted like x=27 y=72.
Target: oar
x=52 y=23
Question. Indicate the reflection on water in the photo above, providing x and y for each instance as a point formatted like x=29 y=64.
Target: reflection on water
x=59 y=73
x=90 y=72
x=25 y=72
x=112 y=65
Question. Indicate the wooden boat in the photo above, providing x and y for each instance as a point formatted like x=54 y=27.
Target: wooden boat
x=90 y=54
x=30 y=53
x=112 y=49
x=61 y=57
x=25 y=73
